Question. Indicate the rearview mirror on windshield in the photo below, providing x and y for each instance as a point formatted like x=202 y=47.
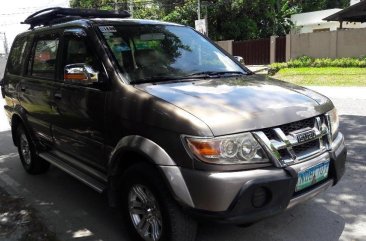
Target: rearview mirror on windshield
x=152 y=36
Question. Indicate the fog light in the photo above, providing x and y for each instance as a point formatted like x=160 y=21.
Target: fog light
x=261 y=196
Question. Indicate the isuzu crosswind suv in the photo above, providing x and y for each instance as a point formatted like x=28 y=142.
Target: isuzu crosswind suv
x=165 y=122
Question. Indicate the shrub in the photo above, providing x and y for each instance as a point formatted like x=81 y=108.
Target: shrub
x=306 y=61
x=275 y=67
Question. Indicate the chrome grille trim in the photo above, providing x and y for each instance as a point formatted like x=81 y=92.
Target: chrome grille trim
x=285 y=150
x=327 y=118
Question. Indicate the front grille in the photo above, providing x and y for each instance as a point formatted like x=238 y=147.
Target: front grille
x=287 y=128
x=308 y=147
x=285 y=145
x=298 y=125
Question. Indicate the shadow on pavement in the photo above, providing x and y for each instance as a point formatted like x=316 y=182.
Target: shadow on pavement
x=71 y=209
x=354 y=129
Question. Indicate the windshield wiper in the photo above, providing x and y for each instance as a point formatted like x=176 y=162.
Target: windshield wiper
x=208 y=74
x=154 y=79
x=203 y=74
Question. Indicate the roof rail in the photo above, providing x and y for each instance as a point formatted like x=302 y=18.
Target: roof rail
x=55 y=15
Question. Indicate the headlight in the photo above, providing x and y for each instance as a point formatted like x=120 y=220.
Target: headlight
x=334 y=122
x=236 y=149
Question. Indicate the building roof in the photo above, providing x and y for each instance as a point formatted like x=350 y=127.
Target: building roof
x=354 y=13
x=311 y=18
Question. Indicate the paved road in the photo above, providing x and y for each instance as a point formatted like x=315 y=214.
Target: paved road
x=75 y=212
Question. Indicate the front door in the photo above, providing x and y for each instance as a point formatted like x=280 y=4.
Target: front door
x=79 y=126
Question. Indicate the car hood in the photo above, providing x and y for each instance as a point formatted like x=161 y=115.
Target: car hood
x=245 y=103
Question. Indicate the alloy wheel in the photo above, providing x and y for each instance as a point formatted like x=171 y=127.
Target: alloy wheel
x=25 y=149
x=145 y=213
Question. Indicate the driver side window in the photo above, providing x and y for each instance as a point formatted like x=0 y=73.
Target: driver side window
x=77 y=52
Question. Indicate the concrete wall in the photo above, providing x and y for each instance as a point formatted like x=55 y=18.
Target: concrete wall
x=227 y=45
x=351 y=43
x=2 y=66
x=334 y=44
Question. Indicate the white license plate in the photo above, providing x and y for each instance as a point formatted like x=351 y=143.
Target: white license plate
x=312 y=175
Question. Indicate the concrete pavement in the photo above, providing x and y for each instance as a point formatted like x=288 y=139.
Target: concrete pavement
x=348 y=100
x=4 y=124
x=263 y=69
x=75 y=212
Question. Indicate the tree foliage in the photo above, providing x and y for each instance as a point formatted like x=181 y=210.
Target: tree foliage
x=228 y=19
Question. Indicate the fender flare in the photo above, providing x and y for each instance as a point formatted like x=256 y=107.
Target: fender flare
x=18 y=112
x=141 y=145
x=156 y=156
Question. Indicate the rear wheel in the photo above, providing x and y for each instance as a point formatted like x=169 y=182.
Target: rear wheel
x=150 y=213
x=32 y=163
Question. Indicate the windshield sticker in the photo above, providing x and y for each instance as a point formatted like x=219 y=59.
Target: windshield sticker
x=107 y=29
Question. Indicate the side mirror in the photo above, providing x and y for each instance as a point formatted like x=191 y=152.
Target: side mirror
x=81 y=74
x=240 y=59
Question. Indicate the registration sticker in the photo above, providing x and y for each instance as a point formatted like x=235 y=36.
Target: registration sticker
x=312 y=175
x=107 y=29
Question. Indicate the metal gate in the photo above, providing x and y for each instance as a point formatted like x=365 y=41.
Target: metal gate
x=254 y=52
x=281 y=49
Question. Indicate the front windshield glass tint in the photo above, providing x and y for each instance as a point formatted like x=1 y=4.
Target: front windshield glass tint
x=151 y=53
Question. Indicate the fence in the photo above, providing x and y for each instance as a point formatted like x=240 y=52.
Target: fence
x=254 y=52
x=334 y=44
x=280 y=55
x=257 y=52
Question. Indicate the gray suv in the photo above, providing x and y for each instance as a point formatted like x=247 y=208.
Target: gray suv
x=166 y=123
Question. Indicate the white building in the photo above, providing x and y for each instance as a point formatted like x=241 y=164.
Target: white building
x=15 y=11
x=313 y=21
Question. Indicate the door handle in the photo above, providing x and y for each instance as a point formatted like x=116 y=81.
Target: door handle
x=58 y=96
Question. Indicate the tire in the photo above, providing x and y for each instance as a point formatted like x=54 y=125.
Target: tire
x=31 y=162
x=143 y=181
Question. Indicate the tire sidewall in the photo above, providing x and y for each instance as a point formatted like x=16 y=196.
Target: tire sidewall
x=20 y=132
x=136 y=176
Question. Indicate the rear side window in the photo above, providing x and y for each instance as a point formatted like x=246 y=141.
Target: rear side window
x=44 y=58
x=17 y=56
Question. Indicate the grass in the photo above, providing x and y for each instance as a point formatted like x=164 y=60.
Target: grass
x=329 y=76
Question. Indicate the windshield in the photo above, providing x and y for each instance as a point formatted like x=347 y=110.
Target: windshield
x=151 y=53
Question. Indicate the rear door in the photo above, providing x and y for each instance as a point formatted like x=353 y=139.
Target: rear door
x=37 y=86
x=79 y=126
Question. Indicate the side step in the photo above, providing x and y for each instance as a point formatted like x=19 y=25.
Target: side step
x=91 y=182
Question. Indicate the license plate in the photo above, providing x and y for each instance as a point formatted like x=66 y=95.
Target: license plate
x=312 y=175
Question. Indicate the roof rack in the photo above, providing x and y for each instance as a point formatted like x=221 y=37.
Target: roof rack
x=55 y=15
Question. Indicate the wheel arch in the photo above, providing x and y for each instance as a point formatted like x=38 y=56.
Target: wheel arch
x=135 y=149
x=16 y=120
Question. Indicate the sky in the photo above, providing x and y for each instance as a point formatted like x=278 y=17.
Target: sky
x=12 y=12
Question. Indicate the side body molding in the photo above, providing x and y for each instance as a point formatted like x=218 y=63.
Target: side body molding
x=157 y=156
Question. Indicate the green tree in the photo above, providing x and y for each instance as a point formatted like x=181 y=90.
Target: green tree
x=228 y=19
x=239 y=19
x=281 y=15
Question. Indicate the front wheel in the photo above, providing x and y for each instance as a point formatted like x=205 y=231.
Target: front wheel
x=150 y=212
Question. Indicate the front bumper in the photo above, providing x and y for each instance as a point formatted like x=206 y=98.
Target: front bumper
x=248 y=196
